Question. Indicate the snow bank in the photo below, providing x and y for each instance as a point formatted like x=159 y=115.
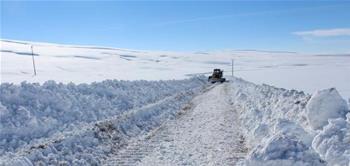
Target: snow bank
x=58 y=123
x=284 y=127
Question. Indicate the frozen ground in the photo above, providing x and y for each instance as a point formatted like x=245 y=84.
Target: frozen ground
x=83 y=64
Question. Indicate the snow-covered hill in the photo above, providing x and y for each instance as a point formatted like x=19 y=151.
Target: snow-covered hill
x=84 y=64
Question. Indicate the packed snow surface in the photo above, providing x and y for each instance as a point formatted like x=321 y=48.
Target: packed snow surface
x=86 y=64
x=206 y=132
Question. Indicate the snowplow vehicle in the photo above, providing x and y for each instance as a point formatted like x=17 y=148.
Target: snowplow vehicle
x=216 y=76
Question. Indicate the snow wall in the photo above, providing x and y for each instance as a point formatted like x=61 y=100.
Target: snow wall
x=289 y=127
x=68 y=124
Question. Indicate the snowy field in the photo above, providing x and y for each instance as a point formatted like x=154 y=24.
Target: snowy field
x=84 y=64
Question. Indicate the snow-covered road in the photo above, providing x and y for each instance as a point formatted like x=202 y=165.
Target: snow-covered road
x=206 y=132
x=184 y=122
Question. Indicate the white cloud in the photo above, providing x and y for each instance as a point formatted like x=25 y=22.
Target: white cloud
x=324 y=32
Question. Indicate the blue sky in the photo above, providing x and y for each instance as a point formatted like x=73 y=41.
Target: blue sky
x=301 y=26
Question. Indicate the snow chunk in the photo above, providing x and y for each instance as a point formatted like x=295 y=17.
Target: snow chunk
x=290 y=128
x=333 y=142
x=285 y=149
x=323 y=105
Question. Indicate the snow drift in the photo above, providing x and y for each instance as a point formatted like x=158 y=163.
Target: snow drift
x=288 y=127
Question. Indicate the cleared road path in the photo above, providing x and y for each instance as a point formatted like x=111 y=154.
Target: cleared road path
x=206 y=132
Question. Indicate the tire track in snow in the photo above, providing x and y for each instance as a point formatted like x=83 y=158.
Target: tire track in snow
x=206 y=132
